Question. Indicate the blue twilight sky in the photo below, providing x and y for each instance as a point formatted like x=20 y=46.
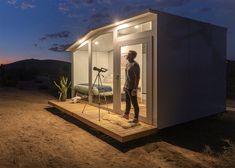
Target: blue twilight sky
x=41 y=29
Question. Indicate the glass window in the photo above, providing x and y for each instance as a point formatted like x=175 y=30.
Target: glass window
x=81 y=71
x=135 y=29
x=102 y=58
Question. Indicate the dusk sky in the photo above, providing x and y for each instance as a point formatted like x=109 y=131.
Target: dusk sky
x=41 y=29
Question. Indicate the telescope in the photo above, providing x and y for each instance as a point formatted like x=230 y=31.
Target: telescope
x=100 y=69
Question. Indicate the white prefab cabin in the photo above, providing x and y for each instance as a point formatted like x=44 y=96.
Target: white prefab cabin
x=182 y=63
x=183 y=70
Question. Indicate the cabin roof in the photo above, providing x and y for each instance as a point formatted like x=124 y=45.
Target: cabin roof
x=141 y=14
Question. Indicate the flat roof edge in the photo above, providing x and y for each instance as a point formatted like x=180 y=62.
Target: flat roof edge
x=153 y=11
x=184 y=17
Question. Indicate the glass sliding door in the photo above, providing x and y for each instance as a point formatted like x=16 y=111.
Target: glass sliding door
x=143 y=58
x=102 y=58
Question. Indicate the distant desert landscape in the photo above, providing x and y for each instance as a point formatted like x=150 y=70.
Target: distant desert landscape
x=33 y=134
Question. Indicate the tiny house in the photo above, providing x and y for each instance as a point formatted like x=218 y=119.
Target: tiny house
x=182 y=65
x=182 y=72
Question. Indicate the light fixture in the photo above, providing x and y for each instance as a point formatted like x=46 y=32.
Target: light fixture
x=96 y=43
x=123 y=26
x=116 y=23
x=81 y=41
x=82 y=44
x=136 y=26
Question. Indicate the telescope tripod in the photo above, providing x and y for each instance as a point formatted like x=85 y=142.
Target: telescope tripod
x=100 y=89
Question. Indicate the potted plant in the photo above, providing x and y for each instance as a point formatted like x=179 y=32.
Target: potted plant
x=63 y=88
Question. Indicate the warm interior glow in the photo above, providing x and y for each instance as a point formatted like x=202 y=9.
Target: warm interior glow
x=123 y=26
x=142 y=61
x=96 y=43
x=137 y=26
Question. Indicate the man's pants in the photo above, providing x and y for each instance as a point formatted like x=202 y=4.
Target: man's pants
x=131 y=99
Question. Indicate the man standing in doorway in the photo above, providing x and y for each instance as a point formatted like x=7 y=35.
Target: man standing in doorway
x=132 y=73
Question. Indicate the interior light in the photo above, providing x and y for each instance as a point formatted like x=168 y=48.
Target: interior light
x=96 y=43
x=136 y=26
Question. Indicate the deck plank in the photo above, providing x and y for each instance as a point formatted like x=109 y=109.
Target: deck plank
x=90 y=117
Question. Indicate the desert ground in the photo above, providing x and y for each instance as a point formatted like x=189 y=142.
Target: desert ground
x=33 y=134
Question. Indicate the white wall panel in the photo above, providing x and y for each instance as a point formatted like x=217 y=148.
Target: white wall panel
x=191 y=70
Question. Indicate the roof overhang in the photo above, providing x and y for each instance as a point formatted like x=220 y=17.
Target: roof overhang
x=142 y=14
x=92 y=32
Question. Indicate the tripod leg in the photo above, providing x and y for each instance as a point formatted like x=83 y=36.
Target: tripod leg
x=84 y=107
x=99 y=93
x=104 y=95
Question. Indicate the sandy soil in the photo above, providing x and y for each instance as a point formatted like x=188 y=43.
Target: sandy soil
x=34 y=135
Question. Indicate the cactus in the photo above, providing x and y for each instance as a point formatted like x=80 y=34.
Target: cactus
x=63 y=88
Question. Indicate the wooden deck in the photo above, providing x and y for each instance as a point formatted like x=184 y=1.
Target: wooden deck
x=91 y=118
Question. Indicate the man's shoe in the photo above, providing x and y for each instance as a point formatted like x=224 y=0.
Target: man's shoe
x=126 y=116
x=135 y=120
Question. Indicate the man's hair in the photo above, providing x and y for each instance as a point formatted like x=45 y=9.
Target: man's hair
x=132 y=52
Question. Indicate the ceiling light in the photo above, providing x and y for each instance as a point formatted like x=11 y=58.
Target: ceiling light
x=96 y=43
x=136 y=26
x=117 y=23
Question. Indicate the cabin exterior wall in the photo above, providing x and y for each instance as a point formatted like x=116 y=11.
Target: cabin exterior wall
x=191 y=61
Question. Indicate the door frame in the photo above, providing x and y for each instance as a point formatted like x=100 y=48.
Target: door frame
x=149 y=65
